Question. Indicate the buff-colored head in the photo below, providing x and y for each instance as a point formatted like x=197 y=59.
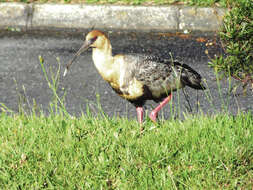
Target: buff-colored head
x=94 y=39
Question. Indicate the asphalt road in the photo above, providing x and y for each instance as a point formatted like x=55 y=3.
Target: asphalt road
x=22 y=81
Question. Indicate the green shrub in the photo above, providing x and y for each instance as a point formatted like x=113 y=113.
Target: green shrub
x=237 y=40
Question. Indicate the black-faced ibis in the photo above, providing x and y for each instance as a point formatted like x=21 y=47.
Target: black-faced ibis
x=137 y=77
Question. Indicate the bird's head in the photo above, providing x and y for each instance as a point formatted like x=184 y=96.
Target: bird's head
x=94 y=39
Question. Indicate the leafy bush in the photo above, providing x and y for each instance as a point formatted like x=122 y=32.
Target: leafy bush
x=237 y=40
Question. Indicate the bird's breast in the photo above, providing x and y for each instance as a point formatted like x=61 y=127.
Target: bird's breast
x=131 y=91
x=119 y=74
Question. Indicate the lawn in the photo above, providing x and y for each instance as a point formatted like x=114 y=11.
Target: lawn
x=61 y=152
x=222 y=3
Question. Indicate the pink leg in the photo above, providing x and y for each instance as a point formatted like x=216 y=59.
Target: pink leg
x=154 y=112
x=139 y=111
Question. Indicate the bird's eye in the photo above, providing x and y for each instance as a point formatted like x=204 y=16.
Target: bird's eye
x=93 y=39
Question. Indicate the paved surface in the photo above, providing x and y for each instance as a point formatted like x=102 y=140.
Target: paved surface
x=22 y=80
x=23 y=16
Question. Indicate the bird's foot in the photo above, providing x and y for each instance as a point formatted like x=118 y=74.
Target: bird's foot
x=142 y=130
x=153 y=116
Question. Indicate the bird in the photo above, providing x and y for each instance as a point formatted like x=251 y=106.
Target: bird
x=138 y=77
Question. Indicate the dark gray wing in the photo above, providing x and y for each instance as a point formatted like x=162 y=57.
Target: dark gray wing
x=160 y=73
x=148 y=69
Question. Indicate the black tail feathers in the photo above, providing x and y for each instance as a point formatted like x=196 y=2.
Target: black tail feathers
x=191 y=78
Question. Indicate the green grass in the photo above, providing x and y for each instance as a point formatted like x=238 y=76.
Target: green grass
x=55 y=152
x=222 y=3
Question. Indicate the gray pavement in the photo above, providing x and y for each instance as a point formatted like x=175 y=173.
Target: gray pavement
x=56 y=31
x=22 y=80
x=22 y=16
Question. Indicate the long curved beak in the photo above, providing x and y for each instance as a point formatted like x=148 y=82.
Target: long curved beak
x=83 y=48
